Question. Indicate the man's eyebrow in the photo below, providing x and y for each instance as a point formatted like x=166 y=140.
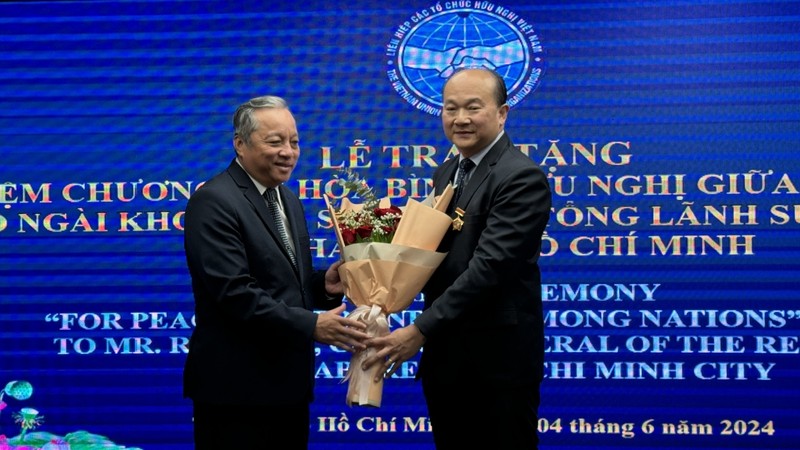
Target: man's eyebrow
x=469 y=100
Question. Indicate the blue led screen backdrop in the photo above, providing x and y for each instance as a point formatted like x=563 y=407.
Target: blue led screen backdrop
x=669 y=131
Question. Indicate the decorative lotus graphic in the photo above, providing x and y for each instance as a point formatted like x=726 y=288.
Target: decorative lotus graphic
x=28 y=419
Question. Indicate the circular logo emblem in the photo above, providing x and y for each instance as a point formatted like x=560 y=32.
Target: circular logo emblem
x=435 y=42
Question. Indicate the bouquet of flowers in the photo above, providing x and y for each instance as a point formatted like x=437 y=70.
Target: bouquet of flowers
x=389 y=253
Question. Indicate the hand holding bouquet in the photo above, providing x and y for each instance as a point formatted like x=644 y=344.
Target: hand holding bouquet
x=389 y=253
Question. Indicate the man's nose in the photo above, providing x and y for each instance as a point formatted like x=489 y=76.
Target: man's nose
x=461 y=116
x=286 y=150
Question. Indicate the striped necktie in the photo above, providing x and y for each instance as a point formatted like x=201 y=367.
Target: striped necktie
x=464 y=167
x=271 y=194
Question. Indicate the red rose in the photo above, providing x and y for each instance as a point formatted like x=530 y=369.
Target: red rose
x=348 y=236
x=380 y=212
x=364 y=231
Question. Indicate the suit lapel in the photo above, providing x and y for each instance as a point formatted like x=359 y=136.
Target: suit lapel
x=446 y=175
x=482 y=171
x=251 y=193
x=295 y=217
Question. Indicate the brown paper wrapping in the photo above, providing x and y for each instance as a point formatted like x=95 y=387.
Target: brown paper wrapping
x=421 y=226
x=362 y=388
x=382 y=279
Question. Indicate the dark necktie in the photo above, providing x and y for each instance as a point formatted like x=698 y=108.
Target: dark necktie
x=274 y=209
x=463 y=169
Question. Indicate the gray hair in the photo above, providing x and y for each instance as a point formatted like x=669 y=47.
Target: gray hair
x=244 y=124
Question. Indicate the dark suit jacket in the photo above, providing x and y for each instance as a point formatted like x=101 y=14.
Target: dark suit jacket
x=252 y=343
x=483 y=313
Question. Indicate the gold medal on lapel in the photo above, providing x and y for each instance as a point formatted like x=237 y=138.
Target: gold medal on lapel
x=458 y=222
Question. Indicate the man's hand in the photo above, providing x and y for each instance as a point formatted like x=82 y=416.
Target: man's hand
x=347 y=334
x=393 y=350
x=333 y=283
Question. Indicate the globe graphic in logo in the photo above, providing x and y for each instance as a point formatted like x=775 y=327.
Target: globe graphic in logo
x=444 y=42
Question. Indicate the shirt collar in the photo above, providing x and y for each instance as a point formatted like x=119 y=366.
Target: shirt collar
x=261 y=188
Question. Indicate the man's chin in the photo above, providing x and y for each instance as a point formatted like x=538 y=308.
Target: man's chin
x=466 y=146
x=283 y=173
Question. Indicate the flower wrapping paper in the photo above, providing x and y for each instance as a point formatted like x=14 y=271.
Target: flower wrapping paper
x=384 y=278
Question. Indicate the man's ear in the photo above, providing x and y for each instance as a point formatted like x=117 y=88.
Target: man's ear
x=503 y=113
x=238 y=144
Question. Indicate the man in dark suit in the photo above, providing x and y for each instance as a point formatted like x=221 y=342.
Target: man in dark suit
x=250 y=366
x=482 y=325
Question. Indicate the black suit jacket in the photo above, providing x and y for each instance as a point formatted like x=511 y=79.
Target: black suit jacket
x=252 y=343
x=483 y=313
